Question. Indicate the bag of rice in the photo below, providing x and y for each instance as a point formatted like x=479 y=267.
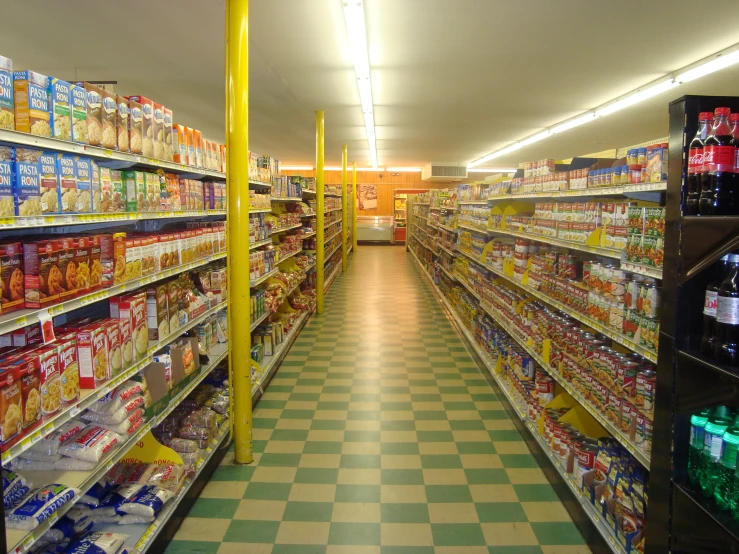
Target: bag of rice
x=38 y=506
x=22 y=464
x=73 y=464
x=143 y=500
x=119 y=396
x=116 y=417
x=129 y=425
x=131 y=519
x=91 y=444
x=98 y=543
x=49 y=445
x=15 y=487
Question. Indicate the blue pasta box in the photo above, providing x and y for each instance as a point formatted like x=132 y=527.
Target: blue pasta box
x=27 y=185
x=60 y=96
x=7 y=206
x=83 y=174
x=49 y=183
x=67 y=183
x=7 y=107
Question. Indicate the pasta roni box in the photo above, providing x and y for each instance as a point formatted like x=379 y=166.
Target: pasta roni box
x=7 y=108
x=83 y=175
x=27 y=189
x=78 y=98
x=49 y=183
x=32 y=112
x=7 y=206
x=61 y=112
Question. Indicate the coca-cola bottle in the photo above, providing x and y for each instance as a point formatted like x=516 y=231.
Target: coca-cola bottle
x=726 y=345
x=718 y=162
x=695 y=163
x=709 y=308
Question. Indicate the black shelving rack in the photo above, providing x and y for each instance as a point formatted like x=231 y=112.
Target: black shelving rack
x=680 y=519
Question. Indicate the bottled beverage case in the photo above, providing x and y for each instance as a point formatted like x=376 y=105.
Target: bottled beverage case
x=718 y=179
x=720 y=339
x=709 y=309
x=695 y=163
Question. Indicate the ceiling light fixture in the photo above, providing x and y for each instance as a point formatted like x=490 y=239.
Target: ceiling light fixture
x=355 y=27
x=575 y=122
x=715 y=63
x=637 y=97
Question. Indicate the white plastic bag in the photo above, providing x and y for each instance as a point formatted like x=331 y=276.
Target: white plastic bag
x=38 y=506
x=91 y=444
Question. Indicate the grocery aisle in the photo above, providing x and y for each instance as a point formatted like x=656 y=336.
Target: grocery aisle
x=380 y=434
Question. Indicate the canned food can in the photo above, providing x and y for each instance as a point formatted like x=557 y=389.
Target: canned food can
x=628 y=417
x=647 y=304
x=626 y=378
x=585 y=459
x=648 y=430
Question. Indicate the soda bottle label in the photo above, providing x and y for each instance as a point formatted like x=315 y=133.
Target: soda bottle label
x=719 y=158
x=696 y=436
x=717 y=443
x=710 y=303
x=727 y=310
x=728 y=456
x=695 y=160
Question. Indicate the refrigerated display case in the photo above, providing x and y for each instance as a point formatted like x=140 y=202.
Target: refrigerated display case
x=376 y=229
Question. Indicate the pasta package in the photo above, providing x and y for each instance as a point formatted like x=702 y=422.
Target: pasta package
x=108 y=117
x=83 y=176
x=147 y=131
x=135 y=182
x=30 y=376
x=157 y=130
x=50 y=380
x=49 y=183
x=197 y=137
x=7 y=204
x=32 y=114
x=135 y=125
x=11 y=419
x=78 y=98
x=189 y=141
x=82 y=257
x=42 y=278
x=94 y=96
x=167 y=134
x=27 y=185
x=67 y=268
x=179 y=146
x=123 y=113
x=7 y=106
x=92 y=355
x=95 y=187
x=67 y=183
x=68 y=369
x=96 y=266
x=153 y=192
x=61 y=109
x=11 y=277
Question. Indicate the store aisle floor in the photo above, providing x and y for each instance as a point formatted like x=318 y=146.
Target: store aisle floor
x=380 y=435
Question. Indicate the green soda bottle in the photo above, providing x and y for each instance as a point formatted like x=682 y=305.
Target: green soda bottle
x=725 y=490
x=713 y=442
x=695 y=449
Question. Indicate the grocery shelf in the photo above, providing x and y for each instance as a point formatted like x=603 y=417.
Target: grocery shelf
x=473 y=229
x=106 y=157
x=286 y=199
x=311 y=214
x=469 y=288
x=308 y=191
x=55 y=220
x=328 y=194
x=290 y=255
x=447 y=228
x=264 y=242
x=583 y=193
x=264 y=277
x=332 y=236
x=23 y=318
x=331 y=279
x=332 y=210
x=448 y=273
x=327 y=256
x=289 y=228
x=311 y=266
x=260 y=183
x=445 y=249
x=642 y=269
x=582 y=247
x=259 y=320
x=260 y=210
x=309 y=234
x=473 y=202
x=20 y=542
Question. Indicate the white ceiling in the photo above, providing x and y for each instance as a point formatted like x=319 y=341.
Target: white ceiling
x=452 y=79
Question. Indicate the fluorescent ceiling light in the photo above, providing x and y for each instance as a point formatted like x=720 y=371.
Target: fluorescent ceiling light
x=356 y=29
x=637 y=97
x=404 y=169
x=572 y=123
x=492 y=170
x=536 y=138
x=498 y=153
x=716 y=64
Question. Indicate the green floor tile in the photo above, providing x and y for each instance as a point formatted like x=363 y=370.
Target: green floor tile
x=252 y=531
x=453 y=390
x=486 y=476
x=297 y=549
x=317 y=476
x=193 y=547
x=289 y=435
x=476 y=448
x=362 y=415
x=557 y=533
x=441 y=461
x=308 y=511
x=322 y=447
x=271 y=404
x=401 y=476
x=399 y=425
x=407 y=550
x=233 y=473
x=310 y=382
x=364 y=397
x=364 y=534
x=448 y=493
x=360 y=461
x=435 y=436
x=505 y=436
x=268 y=491
x=258 y=446
x=491 y=415
x=328 y=425
x=305 y=397
x=330 y=389
x=404 y=513
x=279 y=460
x=358 y=493
x=467 y=425
x=514 y=549
x=429 y=415
x=399 y=448
x=485 y=397
x=499 y=512
x=264 y=423
x=214 y=507
x=518 y=460
x=457 y=534
x=425 y=397
x=535 y=493
x=362 y=436
x=395 y=390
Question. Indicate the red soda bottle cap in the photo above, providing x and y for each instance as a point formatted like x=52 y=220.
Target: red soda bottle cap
x=734 y=117
x=703 y=116
x=722 y=111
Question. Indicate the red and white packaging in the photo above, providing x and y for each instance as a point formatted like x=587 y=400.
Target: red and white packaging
x=91 y=444
x=92 y=354
x=68 y=368
x=51 y=383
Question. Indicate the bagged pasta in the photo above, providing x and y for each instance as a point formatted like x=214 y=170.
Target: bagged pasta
x=104 y=514
x=38 y=506
x=116 y=417
x=15 y=487
x=98 y=543
x=91 y=444
x=129 y=425
x=131 y=519
x=119 y=396
x=49 y=445
x=21 y=464
x=65 y=462
x=143 y=500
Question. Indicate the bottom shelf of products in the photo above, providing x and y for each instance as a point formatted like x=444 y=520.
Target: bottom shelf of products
x=613 y=522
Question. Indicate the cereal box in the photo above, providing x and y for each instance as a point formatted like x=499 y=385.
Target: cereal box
x=67 y=183
x=95 y=187
x=7 y=108
x=68 y=368
x=121 y=123
x=168 y=134
x=11 y=277
x=7 y=205
x=135 y=126
x=109 y=118
x=83 y=175
x=27 y=186
x=78 y=98
x=67 y=268
x=157 y=131
x=179 y=145
x=94 y=113
x=49 y=183
x=92 y=355
x=147 y=131
x=32 y=112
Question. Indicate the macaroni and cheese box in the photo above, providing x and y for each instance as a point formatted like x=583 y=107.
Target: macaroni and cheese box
x=50 y=379
x=78 y=98
x=92 y=355
x=168 y=134
x=30 y=377
x=94 y=113
x=49 y=181
x=83 y=176
x=7 y=108
x=157 y=130
x=68 y=368
x=135 y=126
x=121 y=123
x=67 y=183
x=32 y=114
x=27 y=187
x=132 y=307
x=61 y=109
x=147 y=119
x=113 y=329
x=109 y=117
x=7 y=205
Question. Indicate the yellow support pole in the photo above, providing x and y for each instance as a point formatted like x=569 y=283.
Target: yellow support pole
x=354 y=207
x=319 y=214
x=344 y=219
x=237 y=166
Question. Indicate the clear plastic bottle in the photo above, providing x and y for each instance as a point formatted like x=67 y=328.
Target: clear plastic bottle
x=695 y=448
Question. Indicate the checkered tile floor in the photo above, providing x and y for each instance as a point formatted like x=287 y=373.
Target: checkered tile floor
x=380 y=435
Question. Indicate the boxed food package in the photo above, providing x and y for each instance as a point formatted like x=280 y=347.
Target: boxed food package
x=153 y=192
x=115 y=360
x=27 y=336
x=7 y=205
x=156 y=311
x=173 y=305
x=92 y=355
x=95 y=187
x=167 y=134
x=119 y=258
x=147 y=131
x=11 y=403
x=173 y=191
x=78 y=98
x=157 y=130
x=32 y=114
x=30 y=377
x=190 y=141
x=66 y=247
x=11 y=277
x=50 y=379
x=82 y=253
x=83 y=176
x=133 y=258
x=109 y=118
x=135 y=126
x=94 y=113
x=223 y=158
x=164 y=204
x=68 y=368
x=49 y=183
x=96 y=265
x=121 y=123
x=132 y=307
x=7 y=107
x=27 y=186
x=126 y=343
x=197 y=137
x=135 y=182
x=67 y=183
x=42 y=278
x=60 y=96
x=179 y=145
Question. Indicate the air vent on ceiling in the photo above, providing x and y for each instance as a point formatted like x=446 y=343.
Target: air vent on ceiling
x=435 y=172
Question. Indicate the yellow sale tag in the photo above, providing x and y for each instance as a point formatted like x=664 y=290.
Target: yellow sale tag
x=150 y=451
